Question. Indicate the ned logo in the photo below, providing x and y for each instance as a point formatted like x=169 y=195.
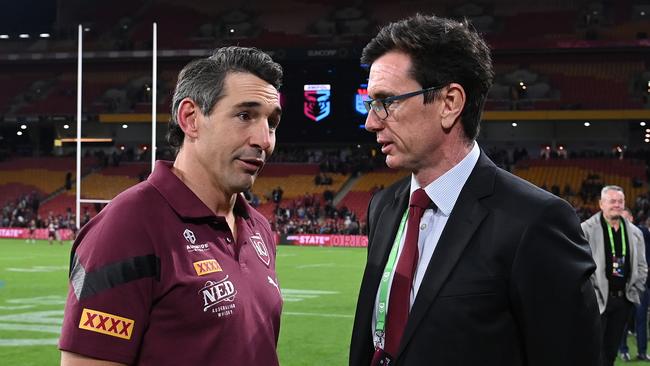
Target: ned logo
x=216 y=292
x=317 y=101
x=189 y=236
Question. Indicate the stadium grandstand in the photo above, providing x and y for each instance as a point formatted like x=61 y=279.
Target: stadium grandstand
x=574 y=97
x=569 y=110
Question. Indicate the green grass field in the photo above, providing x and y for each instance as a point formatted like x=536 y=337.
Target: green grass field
x=319 y=287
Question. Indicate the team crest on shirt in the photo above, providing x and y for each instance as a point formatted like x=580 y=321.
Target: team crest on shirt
x=218 y=297
x=260 y=248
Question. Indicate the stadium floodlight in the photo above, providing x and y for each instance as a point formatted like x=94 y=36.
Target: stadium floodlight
x=23 y=127
x=642 y=123
x=19 y=133
x=125 y=126
x=23 y=35
x=4 y=36
x=587 y=124
x=44 y=35
x=66 y=126
x=647 y=140
x=647 y=135
x=514 y=124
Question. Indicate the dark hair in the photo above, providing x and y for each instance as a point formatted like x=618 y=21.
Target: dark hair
x=442 y=51
x=202 y=81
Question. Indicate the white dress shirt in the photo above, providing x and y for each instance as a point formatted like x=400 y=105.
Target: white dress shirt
x=443 y=192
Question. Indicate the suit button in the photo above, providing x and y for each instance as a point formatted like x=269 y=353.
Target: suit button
x=423 y=226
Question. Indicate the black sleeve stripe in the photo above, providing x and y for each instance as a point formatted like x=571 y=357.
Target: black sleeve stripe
x=86 y=284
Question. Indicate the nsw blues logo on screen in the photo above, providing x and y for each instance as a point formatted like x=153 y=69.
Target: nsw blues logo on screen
x=362 y=95
x=317 y=101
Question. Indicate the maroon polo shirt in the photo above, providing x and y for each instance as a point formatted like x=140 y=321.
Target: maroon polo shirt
x=156 y=279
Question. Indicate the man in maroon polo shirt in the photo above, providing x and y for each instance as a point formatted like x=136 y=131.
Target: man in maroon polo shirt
x=179 y=269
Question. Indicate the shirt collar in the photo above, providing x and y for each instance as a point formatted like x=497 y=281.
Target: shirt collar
x=445 y=190
x=182 y=199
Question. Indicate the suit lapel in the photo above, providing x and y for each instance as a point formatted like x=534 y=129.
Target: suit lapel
x=465 y=218
x=387 y=224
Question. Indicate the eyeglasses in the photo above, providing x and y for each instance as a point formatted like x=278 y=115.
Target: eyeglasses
x=380 y=105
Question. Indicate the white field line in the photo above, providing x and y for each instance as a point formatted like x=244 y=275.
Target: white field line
x=326 y=315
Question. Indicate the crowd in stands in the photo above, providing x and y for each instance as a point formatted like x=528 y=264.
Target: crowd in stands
x=23 y=212
x=345 y=160
x=309 y=215
x=20 y=211
x=316 y=213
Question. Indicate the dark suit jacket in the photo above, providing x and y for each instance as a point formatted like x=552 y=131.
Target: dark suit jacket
x=508 y=283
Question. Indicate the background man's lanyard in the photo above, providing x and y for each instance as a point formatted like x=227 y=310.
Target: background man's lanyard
x=385 y=278
x=611 y=238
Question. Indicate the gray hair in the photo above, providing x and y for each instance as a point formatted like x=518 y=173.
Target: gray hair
x=202 y=81
x=610 y=188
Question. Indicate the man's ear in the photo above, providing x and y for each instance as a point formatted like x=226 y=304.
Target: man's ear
x=188 y=113
x=453 y=102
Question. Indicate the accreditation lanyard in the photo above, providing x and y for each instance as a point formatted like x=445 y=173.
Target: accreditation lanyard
x=611 y=238
x=380 y=324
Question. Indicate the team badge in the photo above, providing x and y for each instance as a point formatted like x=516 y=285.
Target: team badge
x=260 y=248
x=317 y=101
x=362 y=95
x=104 y=323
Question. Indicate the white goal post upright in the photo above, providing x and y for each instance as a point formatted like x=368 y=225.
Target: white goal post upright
x=78 y=180
x=154 y=92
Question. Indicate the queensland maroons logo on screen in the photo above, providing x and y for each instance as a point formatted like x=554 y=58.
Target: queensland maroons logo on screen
x=317 y=101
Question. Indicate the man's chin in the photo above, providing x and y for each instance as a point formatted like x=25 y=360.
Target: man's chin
x=392 y=162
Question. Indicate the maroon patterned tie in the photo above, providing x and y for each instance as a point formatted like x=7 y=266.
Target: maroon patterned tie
x=400 y=292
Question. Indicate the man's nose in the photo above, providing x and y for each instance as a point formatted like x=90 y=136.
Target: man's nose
x=373 y=123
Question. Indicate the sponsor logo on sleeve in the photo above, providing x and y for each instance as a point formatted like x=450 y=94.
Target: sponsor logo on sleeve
x=260 y=248
x=105 y=323
x=207 y=266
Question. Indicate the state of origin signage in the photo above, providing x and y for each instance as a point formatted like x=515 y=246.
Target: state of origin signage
x=317 y=104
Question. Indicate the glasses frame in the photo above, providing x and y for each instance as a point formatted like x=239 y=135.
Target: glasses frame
x=371 y=104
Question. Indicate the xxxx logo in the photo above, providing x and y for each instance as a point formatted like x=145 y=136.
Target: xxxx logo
x=207 y=266
x=109 y=324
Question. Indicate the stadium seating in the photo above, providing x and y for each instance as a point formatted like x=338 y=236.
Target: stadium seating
x=295 y=180
x=359 y=196
x=573 y=172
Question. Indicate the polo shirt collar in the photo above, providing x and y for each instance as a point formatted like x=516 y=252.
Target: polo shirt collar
x=182 y=199
x=445 y=190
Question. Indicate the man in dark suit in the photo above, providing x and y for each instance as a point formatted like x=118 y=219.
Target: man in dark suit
x=467 y=264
